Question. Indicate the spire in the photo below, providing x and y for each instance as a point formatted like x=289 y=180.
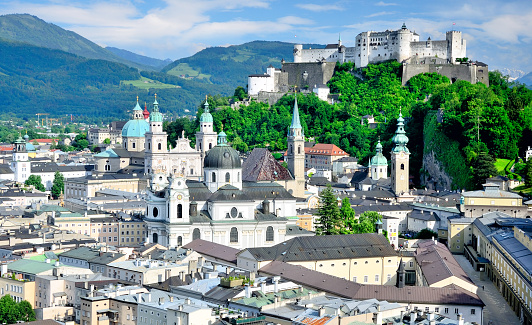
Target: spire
x=400 y=139
x=206 y=117
x=206 y=105
x=155 y=102
x=145 y=112
x=296 y=124
x=156 y=116
x=137 y=107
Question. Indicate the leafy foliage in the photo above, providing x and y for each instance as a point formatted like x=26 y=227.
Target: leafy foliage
x=11 y=311
x=426 y=234
x=36 y=181
x=329 y=215
x=58 y=185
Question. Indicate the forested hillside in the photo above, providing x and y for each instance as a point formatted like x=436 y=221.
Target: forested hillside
x=476 y=119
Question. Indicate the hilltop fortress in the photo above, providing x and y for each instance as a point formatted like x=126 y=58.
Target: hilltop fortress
x=314 y=67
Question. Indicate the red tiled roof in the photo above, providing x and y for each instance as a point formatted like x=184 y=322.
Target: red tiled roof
x=7 y=147
x=324 y=149
x=44 y=140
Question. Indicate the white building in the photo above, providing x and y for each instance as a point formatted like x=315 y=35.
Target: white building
x=375 y=47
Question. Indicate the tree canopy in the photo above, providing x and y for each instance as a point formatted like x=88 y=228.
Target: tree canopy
x=36 y=181
x=12 y=311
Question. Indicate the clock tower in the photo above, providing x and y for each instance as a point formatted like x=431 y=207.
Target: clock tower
x=156 y=143
x=400 y=159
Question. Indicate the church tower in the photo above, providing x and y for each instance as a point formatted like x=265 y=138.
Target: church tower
x=156 y=143
x=21 y=165
x=400 y=159
x=378 y=164
x=296 y=146
x=206 y=138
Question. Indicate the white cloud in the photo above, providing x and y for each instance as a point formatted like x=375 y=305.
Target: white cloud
x=318 y=8
x=385 y=4
x=382 y=13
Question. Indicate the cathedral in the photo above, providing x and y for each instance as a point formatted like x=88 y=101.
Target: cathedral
x=219 y=206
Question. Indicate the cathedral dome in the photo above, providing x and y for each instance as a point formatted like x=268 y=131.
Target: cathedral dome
x=206 y=117
x=138 y=126
x=135 y=128
x=379 y=159
x=222 y=156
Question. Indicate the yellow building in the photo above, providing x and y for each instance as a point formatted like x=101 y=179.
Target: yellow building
x=459 y=234
x=491 y=198
x=95 y=311
x=132 y=232
x=362 y=258
x=18 y=288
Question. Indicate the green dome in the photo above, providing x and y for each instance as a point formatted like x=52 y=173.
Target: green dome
x=135 y=128
x=400 y=139
x=379 y=159
x=206 y=117
x=156 y=116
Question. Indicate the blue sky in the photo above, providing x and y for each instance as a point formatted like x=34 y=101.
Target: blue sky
x=498 y=33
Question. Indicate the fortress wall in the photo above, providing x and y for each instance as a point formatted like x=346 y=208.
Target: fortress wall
x=315 y=55
x=454 y=72
x=281 y=81
x=318 y=73
x=432 y=48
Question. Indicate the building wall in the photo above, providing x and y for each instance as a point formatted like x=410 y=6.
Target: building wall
x=18 y=289
x=459 y=235
x=318 y=73
x=132 y=233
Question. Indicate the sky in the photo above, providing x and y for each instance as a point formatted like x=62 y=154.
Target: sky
x=497 y=32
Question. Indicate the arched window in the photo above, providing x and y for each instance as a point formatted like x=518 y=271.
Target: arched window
x=227 y=177
x=299 y=150
x=402 y=166
x=180 y=211
x=291 y=149
x=179 y=241
x=149 y=146
x=196 y=234
x=213 y=176
x=233 y=236
x=238 y=177
x=133 y=144
x=159 y=146
x=200 y=146
x=269 y=233
x=210 y=145
x=155 y=238
x=155 y=212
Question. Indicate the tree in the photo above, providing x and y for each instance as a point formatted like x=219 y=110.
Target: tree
x=347 y=216
x=528 y=177
x=483 y=167
x=426 y=234
x=25 y=311
x=36 y=181
x=367 y=221
x=58 y=185
x=107 y=141
x=240 y=93
x=329 y=214
x=9 y=313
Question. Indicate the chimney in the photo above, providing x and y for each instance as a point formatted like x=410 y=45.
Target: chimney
x=139 y=297
x=377 y=317
x=321 y=312
x=161 y=300
x=276 y=283
x=413 y=317
x=266 y=206
x=193 y=208
x=263 y=287
x=182 y=275
x=149 y=296
x=171 y=298
x=187 y=301
x=248 y=291
x=460 y=319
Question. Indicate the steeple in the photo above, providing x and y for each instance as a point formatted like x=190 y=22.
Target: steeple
x=400 y=139
x=296 y=123
x=400 y=275
x=156 y=116
x=145 y=112
x=137 y=111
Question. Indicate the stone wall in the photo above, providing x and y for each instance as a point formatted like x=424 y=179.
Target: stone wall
x=435 y=173
x=305 y=75
x=469 y=72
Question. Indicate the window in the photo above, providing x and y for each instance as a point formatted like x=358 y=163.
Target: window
x=233 y=235
x=402 y=166
x=179 y=211
x=472 y=311
x=213 y=177
x=269 y=233
x=354 y=279
x=196 y=234
x=388 y=277
x=456 y=310
x=133 y=144
x=446 y=310
x=159 y=146
x=365 y=279
x=155 y=212
x=411 y=264
x=437 y=309
x=227 y=177
x=376 y=278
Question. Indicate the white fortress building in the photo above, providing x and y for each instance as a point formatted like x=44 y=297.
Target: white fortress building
x=374 y=47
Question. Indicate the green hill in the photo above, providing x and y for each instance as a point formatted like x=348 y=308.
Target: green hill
x=40 y=80
x=35 y=31
x=140 y=59
x=233 y=64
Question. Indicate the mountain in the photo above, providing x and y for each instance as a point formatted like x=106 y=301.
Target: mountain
x=232 y=65
x=35 y=31
x=40 y=80
x=140 y=59
x=512 y=74
x=526 y=79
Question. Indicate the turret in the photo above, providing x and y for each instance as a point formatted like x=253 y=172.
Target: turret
x=296 y=145
x=400 y=159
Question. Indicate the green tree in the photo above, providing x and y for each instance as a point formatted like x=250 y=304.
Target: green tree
x=347 y=217
x=9 y=313
x=107 y=141
x=36 y=181
x=367 y=221
x=25 y=311
x=483 y=167
x=528 y=177
x=240 y=93
x=328 y=213
x=426 y=234
x=58 y=185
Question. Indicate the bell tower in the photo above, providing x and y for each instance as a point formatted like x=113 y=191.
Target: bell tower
x=296 y=146
x=156 y=143
x=206 y=138
x=400 y=159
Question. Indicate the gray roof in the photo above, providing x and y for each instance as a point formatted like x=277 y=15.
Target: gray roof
x=348 y=289
x=316 y=248
x=229 y=193
x=382 y=208
x=218 y=251
x=437 y=263
x=262 y=166
x=51 y=167
x=92 y=255
x=492 y=191
x=519 y=252
x=423 y=215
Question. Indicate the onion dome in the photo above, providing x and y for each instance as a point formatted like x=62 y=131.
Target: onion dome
x=156 y=116
x=145 y=112
x=379 y=159
x=400 y=139
x=206 y=117
x=136 y=127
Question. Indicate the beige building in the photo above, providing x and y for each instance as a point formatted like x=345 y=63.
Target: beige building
x=362 y=258
x=86 y=187
x=94 y=311
x=491 y=198
x=132 y=232
x=459 y=234
x=322 y=156
x=18 y=288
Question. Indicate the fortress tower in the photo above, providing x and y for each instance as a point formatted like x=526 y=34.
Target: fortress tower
x=400 y=159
